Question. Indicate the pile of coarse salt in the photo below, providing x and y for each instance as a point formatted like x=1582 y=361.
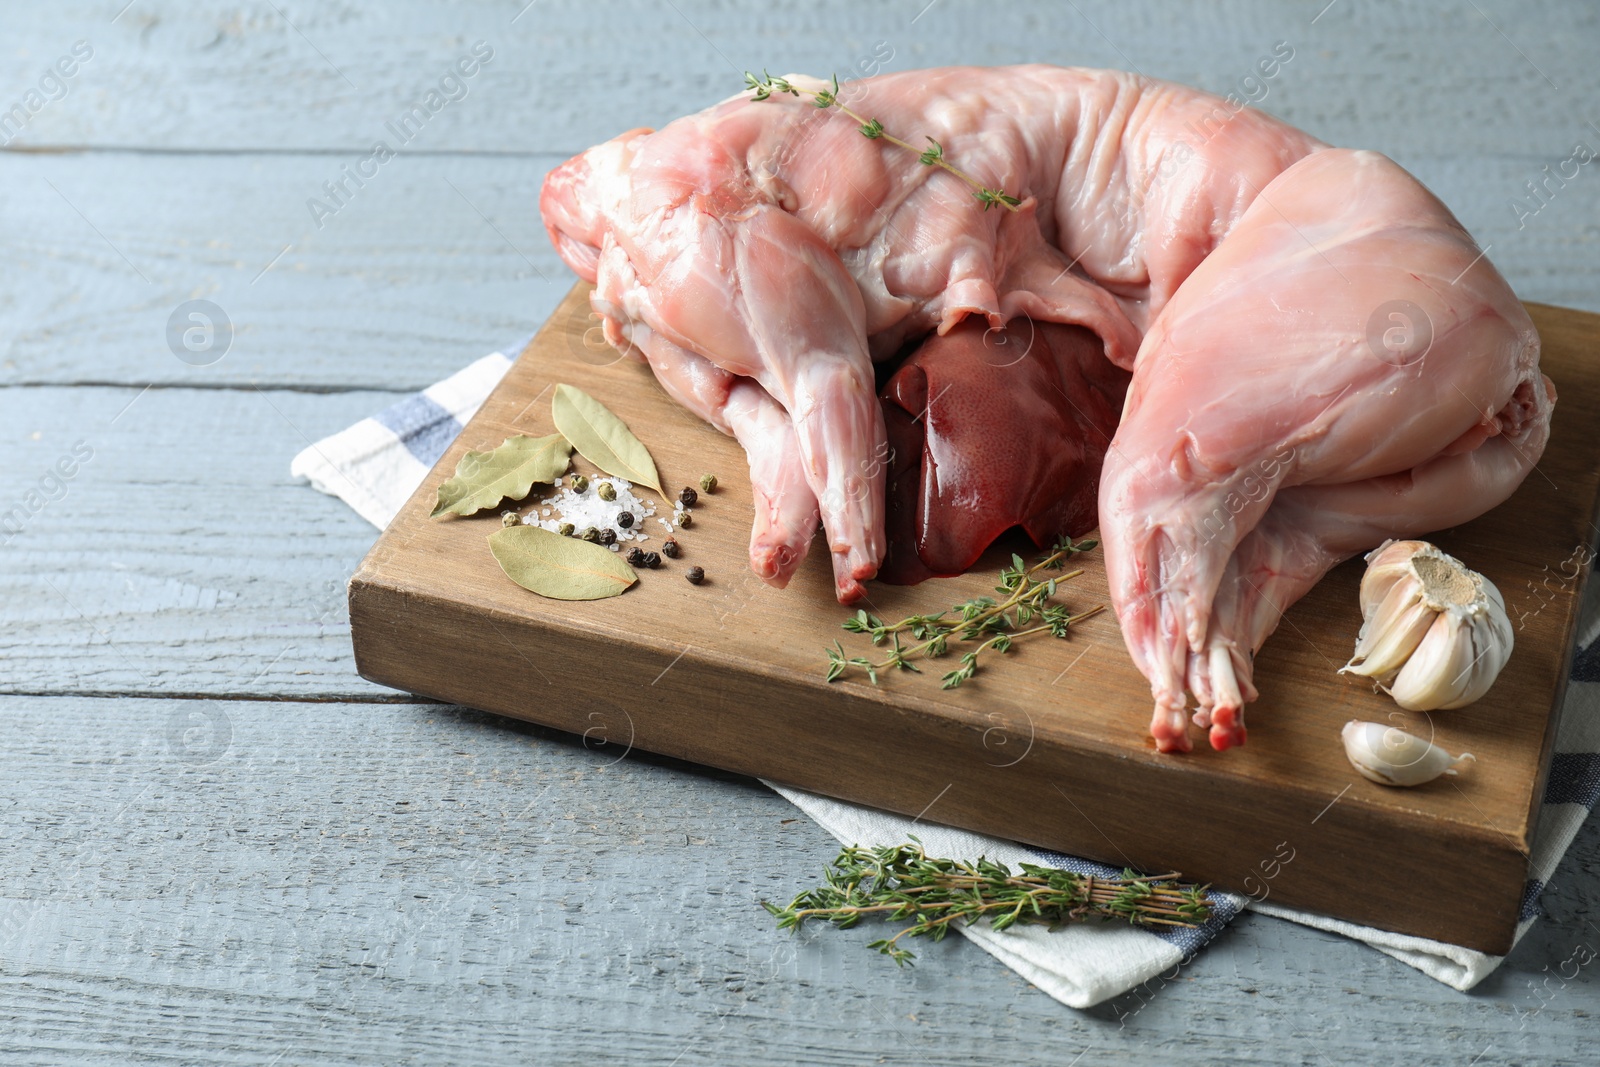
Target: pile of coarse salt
x=587 y=509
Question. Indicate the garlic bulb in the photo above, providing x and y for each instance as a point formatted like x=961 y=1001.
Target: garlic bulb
x=1435 y=634
x=1390 y=756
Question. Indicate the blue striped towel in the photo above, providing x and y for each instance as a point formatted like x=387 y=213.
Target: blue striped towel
x=375 y=465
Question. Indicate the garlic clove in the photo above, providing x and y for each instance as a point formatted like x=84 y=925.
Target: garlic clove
x=1492 y=641
x=1392 y=635
x=1439 y=670
x=1390 y=756
x=1386 y=564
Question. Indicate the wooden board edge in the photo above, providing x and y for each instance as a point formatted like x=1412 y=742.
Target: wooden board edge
x=1586 y=575
x=1471 y=867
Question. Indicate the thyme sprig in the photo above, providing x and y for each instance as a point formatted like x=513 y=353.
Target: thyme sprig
x=994 y=624
x=767 y=86
x=900 y=882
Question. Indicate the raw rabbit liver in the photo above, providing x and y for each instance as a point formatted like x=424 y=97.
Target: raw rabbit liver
x=990 y=429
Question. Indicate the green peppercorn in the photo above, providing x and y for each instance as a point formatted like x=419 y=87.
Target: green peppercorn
x=625 y=520
x=607 y=491
x=565 y=529
x=652 y=560
x=636 y=557
x=685 y=520
x=608 y=537
x=688 y=497
x=590 y=534
x=708 y=483
x=696 y=575
x=579 y=483
x=509 y=518
x=671 y=549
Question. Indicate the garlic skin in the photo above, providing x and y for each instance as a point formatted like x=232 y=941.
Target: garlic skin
x=1435 y=633
x=1390 y=756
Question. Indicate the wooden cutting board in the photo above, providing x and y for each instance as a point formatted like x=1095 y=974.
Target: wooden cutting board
x=1049 y=747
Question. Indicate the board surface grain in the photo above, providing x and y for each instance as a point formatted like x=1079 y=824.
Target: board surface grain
x=730 y=673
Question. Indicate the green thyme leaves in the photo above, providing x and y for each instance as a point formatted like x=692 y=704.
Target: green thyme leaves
x=990 y=197
x=1024 y=609
x=766 y=86
x=901 y=882
x=828 y=97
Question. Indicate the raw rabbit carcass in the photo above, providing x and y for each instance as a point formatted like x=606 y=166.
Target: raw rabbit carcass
x=1259 y=285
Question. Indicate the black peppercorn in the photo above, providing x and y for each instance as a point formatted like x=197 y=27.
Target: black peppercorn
x=625 y=520
x=608 y=537
x=671 y=549
x=636 y=557
x=696 y=575
x=688 y=497
x=652 y=560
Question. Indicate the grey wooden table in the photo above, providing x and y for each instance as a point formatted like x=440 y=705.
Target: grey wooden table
x=221 y=846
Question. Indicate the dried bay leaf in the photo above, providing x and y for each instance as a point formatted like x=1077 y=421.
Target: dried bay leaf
x=602 y=438
x=562 y=568
x=483 y=479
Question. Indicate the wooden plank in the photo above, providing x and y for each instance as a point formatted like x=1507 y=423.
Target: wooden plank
x=732 y=674
x=563 y=68
x=180 y=557
x=438 y=261
x=366 y=885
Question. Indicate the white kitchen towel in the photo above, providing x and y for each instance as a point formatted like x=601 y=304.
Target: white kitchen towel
x=375 y=465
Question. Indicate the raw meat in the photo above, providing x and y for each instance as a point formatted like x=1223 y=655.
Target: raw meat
x=966 y=414
x=1270 y=431
x=1279 y=419
x=775 y=241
